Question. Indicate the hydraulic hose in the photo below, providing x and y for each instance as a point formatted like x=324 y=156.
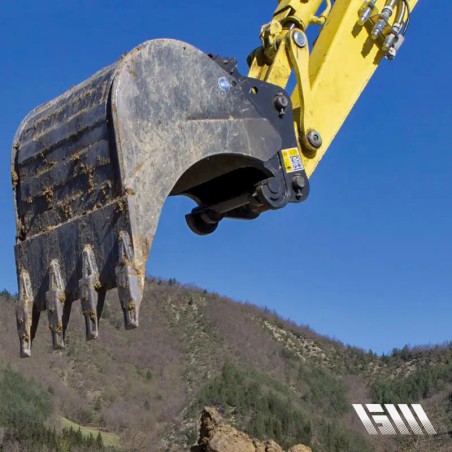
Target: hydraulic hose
x=401 y=11
x=391 y=39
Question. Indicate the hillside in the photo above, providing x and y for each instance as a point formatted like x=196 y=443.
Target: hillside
x=269 y=377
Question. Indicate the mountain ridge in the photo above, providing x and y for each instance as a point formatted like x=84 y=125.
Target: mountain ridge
x=272 y=378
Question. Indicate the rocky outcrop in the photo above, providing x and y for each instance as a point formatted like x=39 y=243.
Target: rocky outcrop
x=215 y=435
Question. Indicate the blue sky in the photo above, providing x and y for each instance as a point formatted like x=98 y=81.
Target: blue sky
x=367 y=259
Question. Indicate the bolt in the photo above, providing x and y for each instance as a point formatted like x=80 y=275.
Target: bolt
x=314 y=138
x=274 y=185
x=300 y=39
x=298 y=183
x=364 y=17
x=376 y=31
x=389 y=42
x=379 y=27
x=281 y=103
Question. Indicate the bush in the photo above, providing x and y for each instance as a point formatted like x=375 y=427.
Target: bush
x=420 y=384
x=325 y=391
x=336 y=439
x=8 y=296
x=22 y=401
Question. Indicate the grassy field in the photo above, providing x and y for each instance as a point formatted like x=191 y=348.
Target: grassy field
x=109 y=439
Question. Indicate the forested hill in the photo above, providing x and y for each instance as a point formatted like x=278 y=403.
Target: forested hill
x=145 y=389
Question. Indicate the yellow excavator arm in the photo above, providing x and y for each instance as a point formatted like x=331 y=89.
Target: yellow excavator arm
x=353 y=40
x=92 y=168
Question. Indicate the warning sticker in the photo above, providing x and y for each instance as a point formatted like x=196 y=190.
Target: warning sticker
x=292 y=160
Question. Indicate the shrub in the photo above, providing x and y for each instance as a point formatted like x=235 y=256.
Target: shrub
x=22 y=401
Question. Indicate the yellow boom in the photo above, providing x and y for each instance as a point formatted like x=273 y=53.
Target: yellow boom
x=354 y=38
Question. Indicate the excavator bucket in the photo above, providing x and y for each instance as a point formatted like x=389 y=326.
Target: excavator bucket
x=92 y=169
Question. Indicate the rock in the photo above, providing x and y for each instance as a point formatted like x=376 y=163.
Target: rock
x=266 y=446
x=215 y=435
x=300 y=448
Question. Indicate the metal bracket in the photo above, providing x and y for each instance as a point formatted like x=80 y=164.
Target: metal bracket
x=292 y=53
x=299 y=59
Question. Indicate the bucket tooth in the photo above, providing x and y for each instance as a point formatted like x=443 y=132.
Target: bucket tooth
x=130 y=290
x=55 y=299
x=89 y=297
x=24 y=314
